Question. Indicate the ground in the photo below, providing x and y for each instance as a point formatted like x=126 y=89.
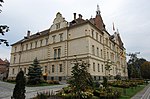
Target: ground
x=6 y=90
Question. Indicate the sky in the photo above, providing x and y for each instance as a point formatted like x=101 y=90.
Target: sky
x=130 y=17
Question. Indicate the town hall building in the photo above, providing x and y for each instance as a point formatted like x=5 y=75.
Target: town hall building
x=58 y=46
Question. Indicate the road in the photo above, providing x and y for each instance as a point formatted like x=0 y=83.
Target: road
x=144 y=94
x=6 y=90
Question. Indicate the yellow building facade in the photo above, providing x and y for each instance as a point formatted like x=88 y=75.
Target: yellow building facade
x=57 y=47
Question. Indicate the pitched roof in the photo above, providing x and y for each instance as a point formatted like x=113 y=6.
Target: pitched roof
x=2 y=62
x=38 y=34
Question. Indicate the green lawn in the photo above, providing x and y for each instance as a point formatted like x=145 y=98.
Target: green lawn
x=129 y=92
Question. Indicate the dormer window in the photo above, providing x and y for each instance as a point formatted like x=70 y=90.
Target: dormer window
x=57 y=25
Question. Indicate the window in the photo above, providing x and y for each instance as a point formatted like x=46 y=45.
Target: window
x=45 y=69
x=107 y=55
x=59 y=53
x=97 y=51
x=102 y=68
x=54 y=38
x=60 y=78
x=35 y=44
x=13 y=71
x=57 y=25
x=93 y=66
x=31 y=45
x=61 y=36
x=41 y=42
x=96 y=36
x=60 y=67
x=14 y=59
x=55 y=53
x=101 y=53
x=106 y=41
x=100 y=38
x=26 y=46
x=98 y=68
x=25 y=71
x=53 y=68
x=52 y=78
x=22 y=47
x=93 y=50
x=92 y=31
x=46 y=40
x=15 y=49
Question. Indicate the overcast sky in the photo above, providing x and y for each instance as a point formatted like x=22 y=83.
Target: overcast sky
x=131 y=17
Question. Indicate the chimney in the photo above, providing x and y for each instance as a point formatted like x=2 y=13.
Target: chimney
x=80 y=16
x=74 y=16
x=28 y=34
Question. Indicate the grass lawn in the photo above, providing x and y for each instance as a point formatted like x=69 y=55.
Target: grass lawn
x=129 y=92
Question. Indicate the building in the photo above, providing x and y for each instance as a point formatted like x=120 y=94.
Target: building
x=4 y=67
x=57 y=47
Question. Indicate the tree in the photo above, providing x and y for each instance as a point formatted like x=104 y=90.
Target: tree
x=81 y=79
x=108 y=68
x=35 y=73
x=134 y=66
x=3 y=29
x=145 y=70
x=19 y=90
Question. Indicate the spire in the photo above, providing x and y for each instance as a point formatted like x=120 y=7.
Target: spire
x=113 y=27
x=98 y=10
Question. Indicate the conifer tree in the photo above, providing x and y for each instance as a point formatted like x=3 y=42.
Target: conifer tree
x=35 y=73
x=19 y=90
x=81 y=79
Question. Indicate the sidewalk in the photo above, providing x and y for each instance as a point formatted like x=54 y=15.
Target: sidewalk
x=144 y=94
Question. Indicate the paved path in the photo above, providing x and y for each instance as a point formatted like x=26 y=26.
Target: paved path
x=6 y=90
x=144 y=94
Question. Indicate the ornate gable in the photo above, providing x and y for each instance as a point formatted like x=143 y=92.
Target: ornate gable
x=58 y=23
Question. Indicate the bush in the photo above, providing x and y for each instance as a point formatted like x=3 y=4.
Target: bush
x=53 y=82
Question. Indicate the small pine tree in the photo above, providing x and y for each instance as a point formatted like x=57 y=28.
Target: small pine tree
x=81 y=80
x=35 y=73
x=19 y=90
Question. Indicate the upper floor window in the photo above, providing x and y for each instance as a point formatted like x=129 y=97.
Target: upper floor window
x=60 y=67
x=14 y=59
x=101 y=53
x=25 y=70
x=15 y=48
x=55 y=53
x=97 y=51
x=46 y=40
x=53 y=68
x=54 y=38
x=93 y=66
x=57 y=25
x=102 y=68
x=35 y=44
x=96 y=36
x=26 y=46
x=92 y=31
x=106 y=41
x=13 y=71
x=61 y=36
x=93 y=50
x=59 y=53
x=22 y=47
x=100 y=38
x=31 y=45
x=41 y=41
x=98 y=68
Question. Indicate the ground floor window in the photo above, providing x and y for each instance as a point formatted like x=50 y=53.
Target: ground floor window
x=60 y=78
x=52 y=78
